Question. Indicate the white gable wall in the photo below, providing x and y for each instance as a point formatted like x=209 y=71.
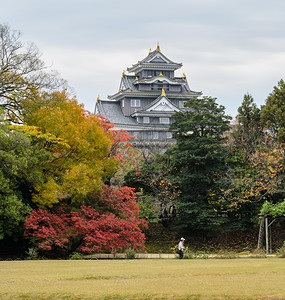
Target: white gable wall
x=163 y=105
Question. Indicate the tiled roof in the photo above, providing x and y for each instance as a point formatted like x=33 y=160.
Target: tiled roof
x=149 y=56
x=152 y=55
x=153 y=58
x=128 y=82
x=112 y=111
x=161 y=77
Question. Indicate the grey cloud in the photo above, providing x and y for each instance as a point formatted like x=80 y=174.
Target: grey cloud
x=227 y=48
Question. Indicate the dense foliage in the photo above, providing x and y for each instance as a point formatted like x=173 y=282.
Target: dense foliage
x=155 y=188
x=274 y=210
x=110 y=224
x=223 y=174
x=18 y=171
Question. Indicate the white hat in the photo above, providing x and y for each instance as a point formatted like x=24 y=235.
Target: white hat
x=182 y=239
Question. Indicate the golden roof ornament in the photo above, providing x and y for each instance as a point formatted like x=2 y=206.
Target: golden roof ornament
x=160 y=74
x=98 y=98
x=137 y=78
x=136 y=110
x=149 y=51
x=157 y=48
x=163 y=93
x=184 y=76
x=120 y=90
x=124 y=73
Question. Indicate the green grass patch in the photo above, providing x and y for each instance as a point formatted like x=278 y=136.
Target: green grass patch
x=143 y=279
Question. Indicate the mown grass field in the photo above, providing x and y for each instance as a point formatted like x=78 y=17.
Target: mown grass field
x=246 y=278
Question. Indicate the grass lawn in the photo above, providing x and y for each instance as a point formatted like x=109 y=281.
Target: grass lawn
x=246 y=278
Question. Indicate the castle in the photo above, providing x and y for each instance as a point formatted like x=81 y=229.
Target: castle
x=147 y=98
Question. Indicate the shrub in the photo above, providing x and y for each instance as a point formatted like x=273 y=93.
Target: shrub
x=32 y=253
x=76 y=256
x=188 y=254
x=258 y=253
x=281 y=251
x=130 y=253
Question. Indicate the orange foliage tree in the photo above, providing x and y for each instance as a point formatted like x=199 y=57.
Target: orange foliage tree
x=83 y=165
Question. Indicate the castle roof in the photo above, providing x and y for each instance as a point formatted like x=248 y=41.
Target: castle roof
x=129 y=87
x=161 y=78
x=112 y=111
x=154 y=60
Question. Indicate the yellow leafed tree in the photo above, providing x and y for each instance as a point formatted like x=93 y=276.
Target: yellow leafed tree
x=81 y=166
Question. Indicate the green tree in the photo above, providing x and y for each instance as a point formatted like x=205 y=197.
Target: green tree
x=274 y=210
x=273 y=112
x=248 y=113
x=248 y=130
x=18 y=171
x=273 y=119
x=199 y=160
x=245 y=136
x=256 y=170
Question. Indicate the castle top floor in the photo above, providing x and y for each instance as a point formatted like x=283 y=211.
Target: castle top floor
x=154 y=64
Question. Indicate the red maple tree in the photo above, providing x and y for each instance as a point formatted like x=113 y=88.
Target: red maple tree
x=111 y=225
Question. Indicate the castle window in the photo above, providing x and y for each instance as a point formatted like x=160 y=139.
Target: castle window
x=135 y=103
x=164 y=120
x=181 y=104
x=123 y=103
x=149 y=73
x=145 y=119
x=155 y=135
x=168 y=135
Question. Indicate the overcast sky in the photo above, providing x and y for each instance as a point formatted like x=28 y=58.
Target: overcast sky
x=228 y=47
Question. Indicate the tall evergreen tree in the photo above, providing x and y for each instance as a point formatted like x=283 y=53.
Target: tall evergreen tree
x=199 y=160
x=244 y=139
x=248 y=130
x=273 y=113
x=245 y=136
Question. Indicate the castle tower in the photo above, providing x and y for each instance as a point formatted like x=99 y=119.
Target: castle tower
x=147 y=98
